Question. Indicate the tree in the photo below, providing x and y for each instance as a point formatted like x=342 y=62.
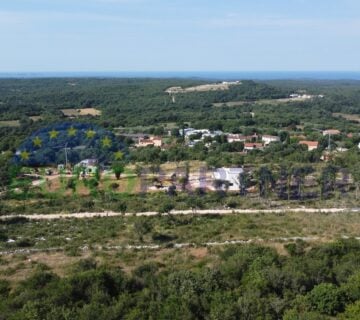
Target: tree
x=328 y=180
x=266 y=181
x=155 y=168
x=327 y=299
x=355 y=173
x=352 y=311
x=166 y=207
x=299 y=174
x=142 y=226
x=175 y=132
x=283 y=187
x=118 y=168
x=183 y=181
x=97 y=173
x=243 y=183
x=218 y=184
x=7 y=172
x=284 y=137
x=138 y=170
x=171 y=191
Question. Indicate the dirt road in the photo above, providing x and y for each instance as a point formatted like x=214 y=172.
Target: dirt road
x=84 y=215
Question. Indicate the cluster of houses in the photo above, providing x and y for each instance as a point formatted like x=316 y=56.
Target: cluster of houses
x=251 y=142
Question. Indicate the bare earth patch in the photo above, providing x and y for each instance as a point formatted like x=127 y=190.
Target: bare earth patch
x=81 y=112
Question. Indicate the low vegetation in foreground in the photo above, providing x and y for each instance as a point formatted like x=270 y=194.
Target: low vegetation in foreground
x=236 y=282
x=290 y=266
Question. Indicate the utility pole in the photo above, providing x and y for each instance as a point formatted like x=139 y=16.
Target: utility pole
x=66 y=158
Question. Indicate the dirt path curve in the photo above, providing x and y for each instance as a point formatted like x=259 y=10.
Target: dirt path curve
x=84 y=215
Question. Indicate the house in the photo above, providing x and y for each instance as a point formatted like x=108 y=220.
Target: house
x=88 y=162
x=90 y=171
x=252 y=138
x=236 y=138
x=230 y=175
x=87 y=167
x=149 y=141
x=294 y=95
x=331 y=132
x=268 y=139
x=253 y=146
x=312 y=145
x=187 y=132
x=212 y=134
x=241 y=138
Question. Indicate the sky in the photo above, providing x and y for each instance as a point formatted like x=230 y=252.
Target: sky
x=179 y=35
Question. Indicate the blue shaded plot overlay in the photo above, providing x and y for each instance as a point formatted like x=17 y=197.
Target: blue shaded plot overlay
x=68 y=143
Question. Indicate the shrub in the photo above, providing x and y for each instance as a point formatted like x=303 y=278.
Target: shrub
x=114 y=186
x=4 y=288
x=24 y=243
x=327 y=299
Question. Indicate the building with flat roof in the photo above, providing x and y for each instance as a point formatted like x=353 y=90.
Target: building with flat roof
x=230 y=175
x=267 y=139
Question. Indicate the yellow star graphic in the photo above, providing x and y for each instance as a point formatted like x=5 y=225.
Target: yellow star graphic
x=37 y=142
x=24 y=155
x=118 y=155
x=90 y=134
x=53 y=134
x=71 y=132
x=106 y=142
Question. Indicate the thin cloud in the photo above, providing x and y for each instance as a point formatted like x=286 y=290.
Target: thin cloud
x=236 y=21
x=18 y=17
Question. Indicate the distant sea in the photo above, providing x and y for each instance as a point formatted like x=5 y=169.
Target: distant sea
x=214 y=75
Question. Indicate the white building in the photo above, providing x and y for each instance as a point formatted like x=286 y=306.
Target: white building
x=231 y=175
x=236 y=138
x=268 y=139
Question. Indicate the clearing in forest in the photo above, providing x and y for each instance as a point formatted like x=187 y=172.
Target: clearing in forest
x=81 y=112
x=203 y=88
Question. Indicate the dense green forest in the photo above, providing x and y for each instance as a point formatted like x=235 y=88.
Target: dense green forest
x=131 y=102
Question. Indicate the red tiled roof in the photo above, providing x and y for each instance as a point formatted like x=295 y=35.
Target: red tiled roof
x=331 y=131
x=309 y=143
x=253 y=145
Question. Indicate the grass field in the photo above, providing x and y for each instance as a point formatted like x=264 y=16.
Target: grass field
x=10 y=123
x=349 y=117
x=16 y=123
